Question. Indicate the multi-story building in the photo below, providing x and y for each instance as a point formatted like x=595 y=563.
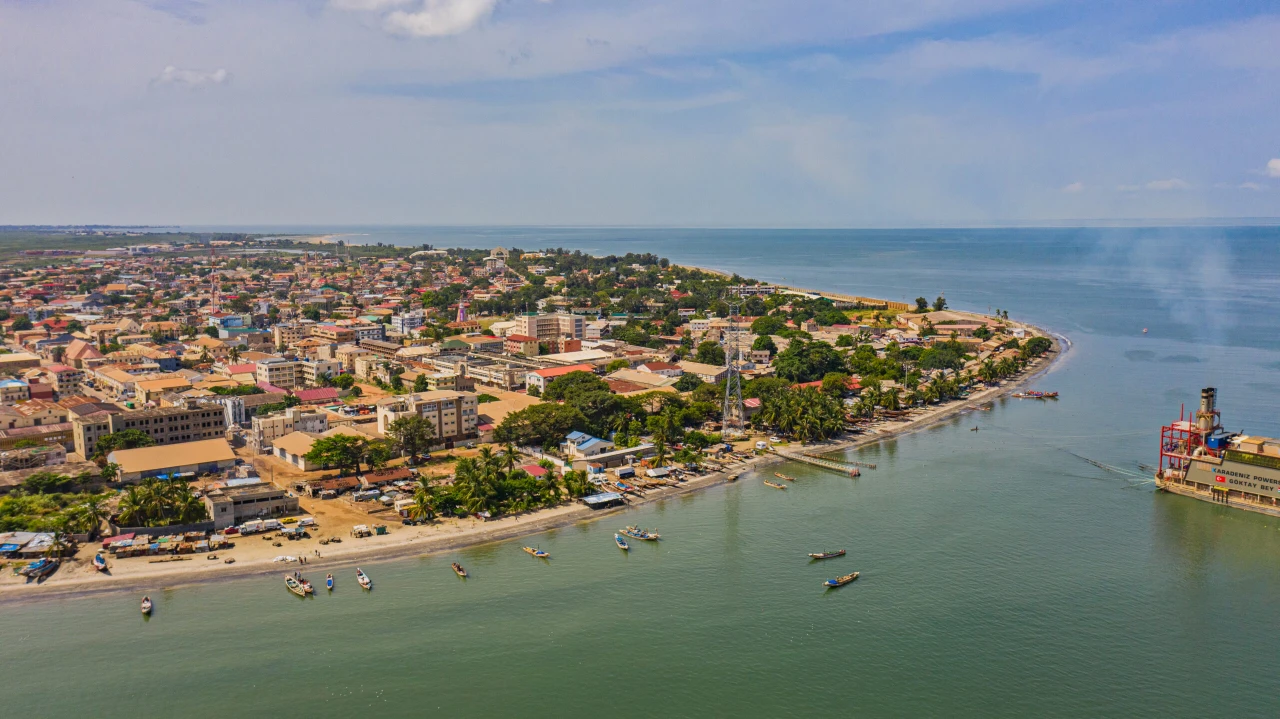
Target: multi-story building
x=287 y=333
x=348 y=354
x=453 y=415
x=230 y=505
x=521 y=345
x=333 y=333
x=66 y=379
x=368 y=332
x=550 y=326
x=14 y=390
x=266 y=430
x=384 y=350
x=409 y=322
x=165 y=425
x=313 y=370
x=278 y=372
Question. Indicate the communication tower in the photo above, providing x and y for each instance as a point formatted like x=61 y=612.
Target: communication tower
x=734 y=416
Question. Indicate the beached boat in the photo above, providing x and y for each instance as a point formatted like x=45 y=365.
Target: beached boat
x=328 y=582
x=306 y=586
x=294 y=585
x=458 y=570
x=840 y=581
x=39 y=568
x=780 y=475
x=99 y=562
x=622 y=543
x=827 y=555
x=146 y=606
x=363 y=579
x=537 y=552
x=775 y=485
x=638 y=533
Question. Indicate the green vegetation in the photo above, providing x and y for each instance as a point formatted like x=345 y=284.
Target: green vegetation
x=270 y=407
x=541 y=425
x=154 y=503
x=495 y=483
x=807 y=361
x=25 y=511
x=805 y=413
x=482 y=398
x=240 y=391
x=124 y=439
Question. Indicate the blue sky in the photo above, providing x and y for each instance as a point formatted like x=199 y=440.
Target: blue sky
x=808 y=113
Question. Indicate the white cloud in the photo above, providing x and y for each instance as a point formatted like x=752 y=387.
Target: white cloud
x=367 y=5
x=440 y=18
x=172 y=75
x=1273 y=167
x=1172 y=183
x=1074 y=188
x=1250 y=186
x=1128 y=188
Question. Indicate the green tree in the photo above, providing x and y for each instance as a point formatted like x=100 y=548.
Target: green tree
x=768 y=325
x=765 y=342
x=541 y=425
x=688 y=382
x=124 y=439
x=21 y=323
x=807 y=361
x=566 y=386
x=616 y=365
x=340 y=451
x=411 y=435
x=420 y=382
x=939 y=304
x=922 y=304
x=710 y=353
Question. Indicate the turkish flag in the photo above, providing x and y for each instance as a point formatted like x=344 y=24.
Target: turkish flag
x=1219 y=478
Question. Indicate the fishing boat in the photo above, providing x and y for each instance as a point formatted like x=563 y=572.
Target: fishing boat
x=827 y=555
x=99 y=562
x=622 y=543
x=537 y=552
x=780 y=475
x=458 y=570
x=638 y=533
x=855 y=472
x=840 y=581
x=294 y=585
x=39 y=568
x=363 y=579
x=146 y=606
x=734 y=477
x=1033 y=394
x=775 y=485
x=328 y=582
x=306 y=587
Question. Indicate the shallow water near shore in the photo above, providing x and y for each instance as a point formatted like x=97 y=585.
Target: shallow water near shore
x=1001 y=573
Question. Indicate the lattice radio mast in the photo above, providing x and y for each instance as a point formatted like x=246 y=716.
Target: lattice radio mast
x=734 y=415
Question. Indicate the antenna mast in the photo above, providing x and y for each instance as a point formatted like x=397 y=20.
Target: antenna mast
x=734 y=416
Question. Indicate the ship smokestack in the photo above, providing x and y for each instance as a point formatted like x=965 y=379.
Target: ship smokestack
x=1205 y=417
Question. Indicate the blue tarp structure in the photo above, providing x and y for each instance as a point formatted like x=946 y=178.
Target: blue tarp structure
x=604 y=499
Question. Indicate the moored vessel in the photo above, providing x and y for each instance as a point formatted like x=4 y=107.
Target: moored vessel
x=645 y=534
x=99 y=562
x=622 y=543
x=826 y=555
x=146 y=606
x=534 y=551
x=294 y=585
x=458 y=570
x=840 y=581
x=363 y=579
x=775 y=485
x=1199 y=460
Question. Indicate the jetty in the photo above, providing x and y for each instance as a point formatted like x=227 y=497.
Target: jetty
x=835 y=465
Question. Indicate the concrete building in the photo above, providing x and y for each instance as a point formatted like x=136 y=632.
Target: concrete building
x=265 y=430
x=409 y=322
x=452 y=414
x=540 y=378
x=550 y=326
x=381 y=348
x=348 y=354
x=66 y=379
x=14 y=390
x=166 y=425
x=233 y=504
x=521 y=345
x=278 y=372
x=333 y=333
x=580 y=445
x=705 y=372
x=313 y=370
x=203 y=457
x=286 y=334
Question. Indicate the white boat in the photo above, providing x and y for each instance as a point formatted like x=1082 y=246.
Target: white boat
x=146 y=606
x=363 y=579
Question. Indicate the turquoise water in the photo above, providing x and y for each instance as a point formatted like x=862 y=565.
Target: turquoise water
x=1001 y=574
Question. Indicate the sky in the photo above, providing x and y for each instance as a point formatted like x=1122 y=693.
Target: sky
x=743 y=113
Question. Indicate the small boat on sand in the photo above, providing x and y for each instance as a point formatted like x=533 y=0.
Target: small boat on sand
x=827 y=555
x=39 y=568
x=775 y=485
x=99 y=562
x=840 y=581
x=363 y=579
x=534 y=551
x=780 y=475
x=294 y=585
x=622 y=543
x=645 y=534
x=328 y=582
x=458 y=570
x=146 y=606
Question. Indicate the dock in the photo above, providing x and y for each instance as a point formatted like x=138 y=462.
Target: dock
x=835 y=465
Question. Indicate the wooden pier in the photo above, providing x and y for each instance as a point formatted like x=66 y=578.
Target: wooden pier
x=835 y=465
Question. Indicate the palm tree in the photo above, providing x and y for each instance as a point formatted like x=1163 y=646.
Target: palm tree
x=234 y=354
x=659 y=453
x=91 y=514
x=423 y=507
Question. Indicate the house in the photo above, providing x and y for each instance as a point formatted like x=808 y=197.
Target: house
x=539 y=379
x=521 y=345
x=665 y=369
x=705 y=372
x=203 y=457
x=231 y=504
x=580 y=445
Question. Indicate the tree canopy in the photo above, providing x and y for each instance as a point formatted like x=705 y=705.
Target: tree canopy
x=805 y=361
x=340 y=451
x=541 y=425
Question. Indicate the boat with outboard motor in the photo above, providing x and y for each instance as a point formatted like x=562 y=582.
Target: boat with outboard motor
x=534 y=551
x=840 y=581
x=645 y=534
x=826 y=555
x=458 y=570
x=363 y=579
x=622 y=543
x=775 y=485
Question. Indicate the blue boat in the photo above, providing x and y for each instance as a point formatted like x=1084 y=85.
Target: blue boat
x=622 y=543
x=99 y=562
x=328 y=582
x=39 y=568
x=840 y=581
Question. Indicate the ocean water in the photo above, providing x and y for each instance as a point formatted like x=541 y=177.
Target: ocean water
x=1002 y=574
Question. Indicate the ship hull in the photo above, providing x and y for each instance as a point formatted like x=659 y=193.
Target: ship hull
x=1231 y=484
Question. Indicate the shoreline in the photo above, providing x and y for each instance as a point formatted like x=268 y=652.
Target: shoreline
x=454 y=535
